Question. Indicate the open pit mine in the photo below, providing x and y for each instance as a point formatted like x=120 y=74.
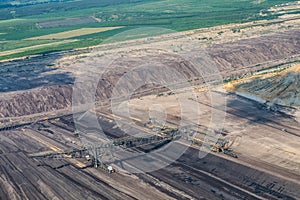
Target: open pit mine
x=49 y=150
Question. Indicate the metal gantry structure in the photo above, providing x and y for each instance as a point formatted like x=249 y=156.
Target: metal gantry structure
x=162 y=133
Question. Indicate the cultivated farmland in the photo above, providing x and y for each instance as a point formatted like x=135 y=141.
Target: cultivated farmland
x=34 y=19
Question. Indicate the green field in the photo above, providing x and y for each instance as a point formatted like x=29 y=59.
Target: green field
x=22 y=21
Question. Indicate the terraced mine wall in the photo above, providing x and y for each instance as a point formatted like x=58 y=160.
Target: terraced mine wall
x=251 y=54
x=37 y=93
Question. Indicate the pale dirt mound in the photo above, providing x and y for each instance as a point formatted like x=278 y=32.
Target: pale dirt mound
x=281 y=88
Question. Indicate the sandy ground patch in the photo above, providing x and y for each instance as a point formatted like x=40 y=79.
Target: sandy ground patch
x=74 y=33
x=5 y=53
